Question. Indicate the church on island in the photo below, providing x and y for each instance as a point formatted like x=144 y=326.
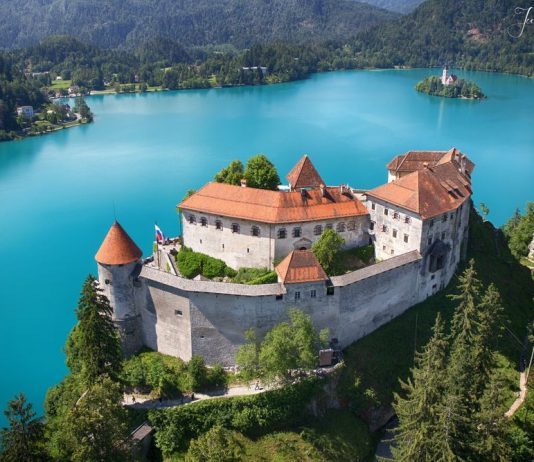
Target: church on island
x=417 y=223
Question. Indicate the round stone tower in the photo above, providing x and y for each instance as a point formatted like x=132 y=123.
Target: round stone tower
x=118 y=266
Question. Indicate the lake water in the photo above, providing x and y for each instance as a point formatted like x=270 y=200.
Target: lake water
x=59 y=193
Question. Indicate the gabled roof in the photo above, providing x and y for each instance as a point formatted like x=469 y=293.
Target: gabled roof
x=300 y=266
x=118 y=248
x=427 y=192
x=266 y=206
x=304 y=175
x=416 y=160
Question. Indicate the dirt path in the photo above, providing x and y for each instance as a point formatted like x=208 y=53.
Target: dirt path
x=521 y=397
x=144 y=402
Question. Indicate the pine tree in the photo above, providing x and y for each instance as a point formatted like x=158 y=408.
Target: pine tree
x=93 y=346
x=418 y=420
x=22 y=441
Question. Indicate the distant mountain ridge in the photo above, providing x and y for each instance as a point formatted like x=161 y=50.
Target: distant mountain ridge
x=127 y=23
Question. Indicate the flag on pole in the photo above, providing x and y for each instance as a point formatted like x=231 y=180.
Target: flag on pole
x=160 y=238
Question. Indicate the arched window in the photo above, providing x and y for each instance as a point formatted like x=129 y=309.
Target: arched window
x=255 y=230
x=192 y=219
x=218 y=225
x=318 y=230
x=351 y=225
x=282 y=233
x=203 y=221
x=235 y=228
x=297 y=232
x=340 y=228
x=329 y=226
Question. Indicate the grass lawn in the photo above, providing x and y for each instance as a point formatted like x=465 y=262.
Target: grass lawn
x=59 y=84
x=386 y=355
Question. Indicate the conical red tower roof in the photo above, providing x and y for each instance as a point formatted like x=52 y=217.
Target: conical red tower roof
x=117 y=248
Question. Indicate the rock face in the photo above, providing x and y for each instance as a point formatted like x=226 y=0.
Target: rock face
x=531 y=248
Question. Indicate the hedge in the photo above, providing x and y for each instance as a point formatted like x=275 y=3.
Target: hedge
x=252 y=415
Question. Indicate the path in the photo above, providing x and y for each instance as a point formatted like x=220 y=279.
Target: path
x=521 y=397
x=142 y=402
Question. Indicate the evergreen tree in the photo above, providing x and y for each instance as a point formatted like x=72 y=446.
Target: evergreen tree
x=416 y=435
x=22 y=441
x=93 y=347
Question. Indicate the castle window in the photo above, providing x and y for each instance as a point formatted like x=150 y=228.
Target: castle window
x=297 y=232
x=372 y=226
x=235 y=228
x=279 y=297
x=442 y=236
x=384 y=229
x=282 y=233
x=396 y=215
x=429 y=240
x=386 y=211
x=255 y=230
x=394 y=233
x=452 y=215
x=313 y=293
x=431 y=224
x=178 y=312
x=340 y=227
x=192 y=219
x=329 y=226
x=373 y=205
x=392 y=251
x=407 y=219
x=297 y=295
x=384 y=248
x=444 y=218
x=218 y=225
x=406 y=238
x=203 y=221
x=318 y=230
x=351 y=225
x=222 y=246
x=330 y=290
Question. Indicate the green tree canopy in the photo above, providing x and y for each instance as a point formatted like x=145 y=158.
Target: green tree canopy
x=327 y=249
x=247 y=357
x=93 y=347
x=22 y=440
x=232 y=174
x=216 y=445
x=261 y=173
x=520 y=231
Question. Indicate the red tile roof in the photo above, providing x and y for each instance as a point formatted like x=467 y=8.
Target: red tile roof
x=416 y=160
x=118 y=248
x=304 y=175
x=273 y=206
x=428 y=192
x=300 y=266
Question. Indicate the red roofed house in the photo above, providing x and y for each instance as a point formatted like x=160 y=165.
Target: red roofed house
x=249 y=227
x=424 y=207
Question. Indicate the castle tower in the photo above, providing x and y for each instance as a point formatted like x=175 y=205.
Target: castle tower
x=118 y=263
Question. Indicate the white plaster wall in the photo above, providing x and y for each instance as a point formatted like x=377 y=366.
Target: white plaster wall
x=387 y=246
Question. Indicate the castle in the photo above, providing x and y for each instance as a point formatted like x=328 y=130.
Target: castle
x=417 y=223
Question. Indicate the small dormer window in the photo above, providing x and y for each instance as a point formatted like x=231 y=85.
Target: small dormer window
x=235 y=228
x=203 y=221
x=255 y=231
x=192 y=219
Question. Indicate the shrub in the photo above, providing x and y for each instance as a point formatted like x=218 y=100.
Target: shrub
x=197 y=372
x=217 y=444
x=250 y=275
x=268 y=278
x=191 y=264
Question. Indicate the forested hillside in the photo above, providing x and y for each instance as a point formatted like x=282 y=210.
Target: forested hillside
x=116 y=23
x=472 y=34
x=400 y=6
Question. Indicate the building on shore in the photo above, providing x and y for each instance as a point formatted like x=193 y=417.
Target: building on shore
x=417 y=222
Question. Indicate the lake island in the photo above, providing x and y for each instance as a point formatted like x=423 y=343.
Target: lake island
x=449 y=86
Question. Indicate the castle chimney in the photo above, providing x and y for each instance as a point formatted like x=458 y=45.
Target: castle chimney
x=243 y=182
x=425 y=164
x=323 y=190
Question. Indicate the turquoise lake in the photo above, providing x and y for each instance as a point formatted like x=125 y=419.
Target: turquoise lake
x=59 y=193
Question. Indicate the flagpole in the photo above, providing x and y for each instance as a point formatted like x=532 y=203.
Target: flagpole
x=157 y=244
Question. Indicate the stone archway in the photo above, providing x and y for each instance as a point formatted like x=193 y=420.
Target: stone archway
x=302 y=244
